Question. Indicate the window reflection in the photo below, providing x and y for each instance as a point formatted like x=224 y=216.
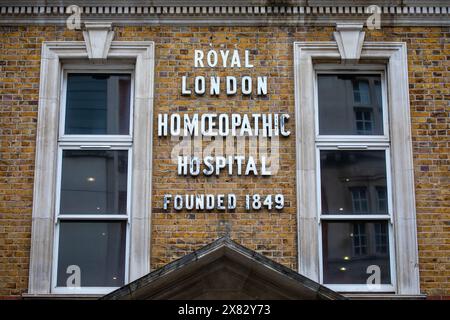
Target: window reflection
x=382 y=199
x=94 y=182
x=98 y=104
x=350 y=104
x=364 y=121
x=349 y=247
x=97 y=248
x=353 y=182
x=361 y=92
x=359 y=239
x=381 y=240
x=359 y=200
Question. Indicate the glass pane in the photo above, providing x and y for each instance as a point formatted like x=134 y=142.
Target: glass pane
x=349 y=248
x=98 y=103
x=94 y=182
x=94 y=248
x=361 y=92
x=350 y=104
x=353 y=182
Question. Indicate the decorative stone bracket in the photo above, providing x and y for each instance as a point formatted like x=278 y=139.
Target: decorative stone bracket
x=349 y=38
x=98 y=37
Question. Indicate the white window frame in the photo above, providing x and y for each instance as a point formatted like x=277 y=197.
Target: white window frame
x=358 y=217
x=92 y=142
x=365 y=69
x=122 y=68
x=391 y=57
x=357 y=143
x=83 y=217
x=56 y=57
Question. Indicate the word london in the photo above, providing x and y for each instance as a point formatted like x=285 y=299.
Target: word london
x=216 y=84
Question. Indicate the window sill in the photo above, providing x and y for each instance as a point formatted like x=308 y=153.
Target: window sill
x=362 y=289
x=61 y=296
x=383 y=296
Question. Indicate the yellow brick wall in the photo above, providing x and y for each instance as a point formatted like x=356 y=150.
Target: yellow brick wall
x=271 y=233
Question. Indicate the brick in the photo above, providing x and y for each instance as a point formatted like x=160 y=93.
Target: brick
x=177 y=234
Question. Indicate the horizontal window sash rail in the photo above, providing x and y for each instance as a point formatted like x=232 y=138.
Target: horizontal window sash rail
x=92 y=217
x=355 y=217
x=95 y=145
x=83 y=290
x=115 y=66
x=361 y=287
x=330 y=68
x=352 y=145
x=95 y=137
x=353 y=139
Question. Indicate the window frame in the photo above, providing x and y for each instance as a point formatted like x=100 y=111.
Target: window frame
x=84 y=68
x=357 y=217
x=354 y=142
x=90 y=217
x=55 y=57
x=393 y=57
x=369 y=216
x=331 y=68
x=92 y=142
x=363 y=288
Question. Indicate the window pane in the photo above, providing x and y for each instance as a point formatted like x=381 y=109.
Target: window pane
x=98 y=104
x=350 y=104
x=97 y=248
x=382 y=199
x=353 y=182
x=94 y=182
x=350 y=247
x=361 y=92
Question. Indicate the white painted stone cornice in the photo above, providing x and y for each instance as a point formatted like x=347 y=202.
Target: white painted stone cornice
x=98 y=37
x=349 y=38
x=245 y=13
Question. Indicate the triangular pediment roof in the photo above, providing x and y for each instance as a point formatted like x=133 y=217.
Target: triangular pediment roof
x=223 y=269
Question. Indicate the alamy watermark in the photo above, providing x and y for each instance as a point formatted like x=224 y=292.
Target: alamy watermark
x=374 y=20
x=74 y=279
x=374 y=280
